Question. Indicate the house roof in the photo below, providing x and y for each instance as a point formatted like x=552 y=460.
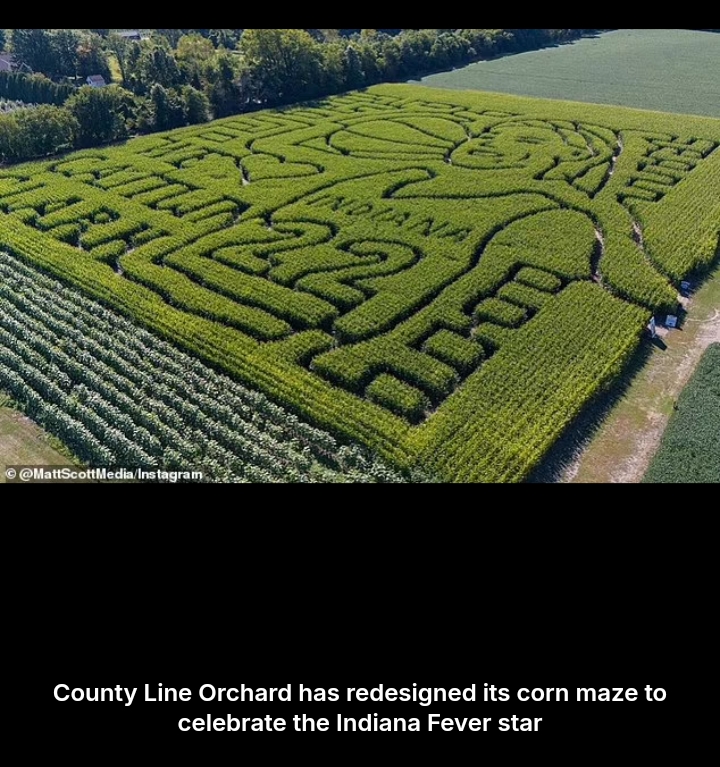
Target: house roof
x=96 y=80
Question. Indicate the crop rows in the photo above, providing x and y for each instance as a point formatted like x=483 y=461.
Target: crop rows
x=118 y=396
x=500 y=422
x=368 y=261
x=690 y=449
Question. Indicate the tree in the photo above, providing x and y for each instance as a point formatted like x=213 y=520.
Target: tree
x=10 y=138
x=197 y=106
x=33 y=47
x=48 y=130
x=61 y=53
x=224 y=38
x=100 y=115
x=151 y=63
x=92 y=58
x=333 y=68
x=227 y=96
x=120 y=47
x=166 y=109
x=284 y=64
x=195 y=53
x=65 y=43
x=34 y=133
x=352 y=65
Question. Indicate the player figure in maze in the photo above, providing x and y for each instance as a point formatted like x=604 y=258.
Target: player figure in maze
x=411 y=244
x=429 y=286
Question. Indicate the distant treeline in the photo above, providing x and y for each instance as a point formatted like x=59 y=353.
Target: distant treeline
x=178 y=77
x=33 y=89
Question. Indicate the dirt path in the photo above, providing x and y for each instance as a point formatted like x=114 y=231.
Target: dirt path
x=22 y=443
x=626 y=441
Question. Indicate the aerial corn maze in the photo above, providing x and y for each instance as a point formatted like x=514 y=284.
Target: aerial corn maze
x=443 y=280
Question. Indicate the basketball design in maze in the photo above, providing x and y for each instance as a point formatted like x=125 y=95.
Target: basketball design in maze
x=386 y=246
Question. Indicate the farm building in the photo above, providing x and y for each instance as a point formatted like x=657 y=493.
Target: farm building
x=131 y=34
x=96 y=81
x=7 y=62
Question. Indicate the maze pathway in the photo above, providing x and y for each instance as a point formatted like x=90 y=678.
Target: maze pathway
x=446 y=278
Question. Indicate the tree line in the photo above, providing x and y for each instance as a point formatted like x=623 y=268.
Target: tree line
x=34 y=89
x=179 y=77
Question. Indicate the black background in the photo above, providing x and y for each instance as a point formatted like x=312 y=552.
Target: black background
x=350 y=600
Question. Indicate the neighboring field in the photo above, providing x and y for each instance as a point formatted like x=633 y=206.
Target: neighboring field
x=616 y=441
x=690 y=450
x=119 y=397
x=447 y=279
x=667 y=70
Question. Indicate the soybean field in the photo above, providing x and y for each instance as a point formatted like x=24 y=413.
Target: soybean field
x=443 y=279
x=118 y=396
x=665 y=70
x=690 y=450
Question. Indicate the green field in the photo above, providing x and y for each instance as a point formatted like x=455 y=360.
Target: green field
x=666 y=70
x=690 y=450
x=444 y=278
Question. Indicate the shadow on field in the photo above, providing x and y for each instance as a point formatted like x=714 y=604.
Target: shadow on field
x=580 y=433
x=568 y=448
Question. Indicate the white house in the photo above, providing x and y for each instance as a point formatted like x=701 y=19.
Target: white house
x=96 y=81
x=7 y=63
